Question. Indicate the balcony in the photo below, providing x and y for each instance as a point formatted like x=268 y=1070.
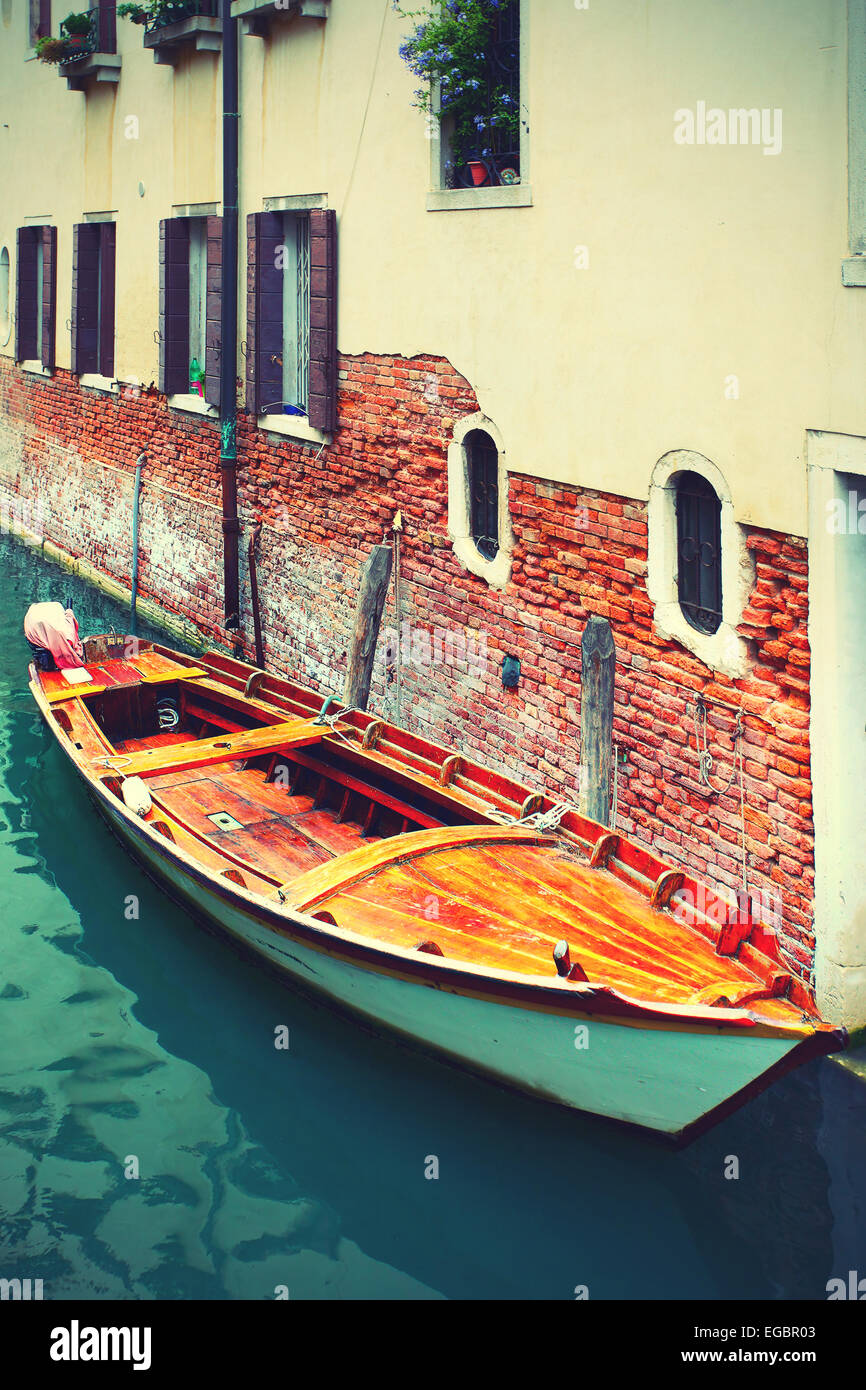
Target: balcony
x=257 y=16
x=93 y=55
x=174 y=28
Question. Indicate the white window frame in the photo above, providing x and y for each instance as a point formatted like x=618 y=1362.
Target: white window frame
x=497 y=571
x=5 y=300
x=197 y=345
x=854 y=268
x=723 y=650
x=293 y=426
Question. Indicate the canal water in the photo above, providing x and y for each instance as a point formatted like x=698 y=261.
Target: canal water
x=154 y=1143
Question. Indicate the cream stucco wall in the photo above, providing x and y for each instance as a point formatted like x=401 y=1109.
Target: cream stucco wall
x=705 y=262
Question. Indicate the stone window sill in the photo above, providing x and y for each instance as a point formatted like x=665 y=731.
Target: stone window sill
x=496 y=572
x=35 y=368
x=93 y=381
x=724 y=650
x=512 y=195
x=293 y=427
x=189 y=403
x=854 y=271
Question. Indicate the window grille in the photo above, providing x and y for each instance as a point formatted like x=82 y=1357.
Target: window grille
x=699 y=552
x=483 y=465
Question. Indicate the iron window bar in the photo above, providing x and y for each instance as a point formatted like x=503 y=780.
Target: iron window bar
x=483 y=467
x=699 y=552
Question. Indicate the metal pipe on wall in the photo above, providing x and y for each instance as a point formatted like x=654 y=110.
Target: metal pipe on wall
x=136 y=496
x=229 y=319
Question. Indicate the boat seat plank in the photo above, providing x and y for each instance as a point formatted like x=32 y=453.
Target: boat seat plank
x=155 y=668
x=148 y=668
x=227 y=747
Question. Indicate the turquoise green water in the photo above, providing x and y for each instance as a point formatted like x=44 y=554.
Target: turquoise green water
x=148 y=1045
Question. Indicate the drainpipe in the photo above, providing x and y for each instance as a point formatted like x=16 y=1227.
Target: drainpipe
x=229 y=319
x=136 y=496
x=254 y=595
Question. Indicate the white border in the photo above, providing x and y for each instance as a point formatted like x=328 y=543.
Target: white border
x=723 y=650
x=840 y=858
x=496 y=572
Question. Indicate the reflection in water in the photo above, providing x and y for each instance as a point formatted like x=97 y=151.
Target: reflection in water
x=146 y=1041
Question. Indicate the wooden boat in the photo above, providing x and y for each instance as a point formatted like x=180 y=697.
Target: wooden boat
x=430 y=895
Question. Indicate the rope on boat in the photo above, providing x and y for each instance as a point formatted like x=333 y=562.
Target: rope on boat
x=333 y=719
x=537 y=820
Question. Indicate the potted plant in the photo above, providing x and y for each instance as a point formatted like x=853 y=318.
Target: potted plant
x=449 y=50
x=137 y=13
x=75 y=29
x=50 y=50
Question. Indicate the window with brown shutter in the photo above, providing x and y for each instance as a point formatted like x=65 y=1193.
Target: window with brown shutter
x=25 y=296
x=47 y=247
x=93 y=279
x=213 y=310
x=291 y=315
x=173 y=305
x=190 y=294
x=40 y=20
x=36 y=295
x=322 y=409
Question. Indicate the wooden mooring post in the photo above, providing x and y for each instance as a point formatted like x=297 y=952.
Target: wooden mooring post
x=375 y=578
x=598 y=669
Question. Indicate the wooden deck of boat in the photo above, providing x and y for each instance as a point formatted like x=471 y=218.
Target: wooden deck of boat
x=500 y=906
x=506 y=907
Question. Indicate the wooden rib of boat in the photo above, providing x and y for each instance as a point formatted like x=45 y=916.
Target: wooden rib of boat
x=430 y=895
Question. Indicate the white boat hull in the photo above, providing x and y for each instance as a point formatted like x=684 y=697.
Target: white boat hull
x=663 y=1078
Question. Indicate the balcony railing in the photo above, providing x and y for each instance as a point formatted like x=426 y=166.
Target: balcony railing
x=170 y=14
x=101 y=38
x=172 y=27
x=93 y=54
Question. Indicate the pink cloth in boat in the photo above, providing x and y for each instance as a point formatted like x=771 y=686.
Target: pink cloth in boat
x=55 y=628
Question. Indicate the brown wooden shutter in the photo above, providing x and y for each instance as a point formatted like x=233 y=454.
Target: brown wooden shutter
x=269 y=314
x=264 y=314
x=48 y=251
x=173 y=305
x=322 y=404
x=85 y=298
x=107 y=231
x=25 y=295
x=213 y=313
x=106 y=31
x=252 y=281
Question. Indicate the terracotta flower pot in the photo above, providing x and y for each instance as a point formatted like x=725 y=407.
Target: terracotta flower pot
x=478 y=172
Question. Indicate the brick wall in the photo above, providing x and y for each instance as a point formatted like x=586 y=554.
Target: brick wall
x=577 y=552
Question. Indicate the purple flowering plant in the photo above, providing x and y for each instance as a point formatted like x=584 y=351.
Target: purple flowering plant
x=449 y=45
